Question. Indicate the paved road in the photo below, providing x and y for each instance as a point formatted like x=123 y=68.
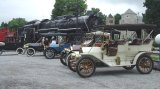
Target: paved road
x=22 y=72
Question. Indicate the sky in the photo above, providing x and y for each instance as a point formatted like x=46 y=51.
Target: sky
x=41 y=9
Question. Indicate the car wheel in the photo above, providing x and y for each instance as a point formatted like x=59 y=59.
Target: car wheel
x=85 y=67
x=129 y=67
x=63 y=59
x=1 y=52
x=43 y=52
x=71 y=63
x=20 y=50
x=50 y=53
x=144 y=64
x=31 y=52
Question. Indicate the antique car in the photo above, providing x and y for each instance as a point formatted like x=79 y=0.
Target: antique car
x=64 y=39
x=132 y=49
x=32 y=48
x=99 y=38
x=53 y=50
x=88 y=41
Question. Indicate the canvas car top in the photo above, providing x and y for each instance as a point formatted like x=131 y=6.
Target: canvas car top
x=130 y=27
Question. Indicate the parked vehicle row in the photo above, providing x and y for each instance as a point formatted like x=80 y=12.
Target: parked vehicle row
x=129 y=51
x=126 y=46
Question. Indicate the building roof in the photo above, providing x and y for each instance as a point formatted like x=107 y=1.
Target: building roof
x=129 y=11
x=110 y=16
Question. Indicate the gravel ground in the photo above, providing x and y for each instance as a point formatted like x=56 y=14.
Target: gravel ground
x=22 y=72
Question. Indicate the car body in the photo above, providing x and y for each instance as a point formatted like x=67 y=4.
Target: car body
x=31 y=48
x=55 y=49
x=119 y=53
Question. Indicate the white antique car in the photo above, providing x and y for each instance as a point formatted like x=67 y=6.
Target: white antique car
x=132 y=49
x=97 y=41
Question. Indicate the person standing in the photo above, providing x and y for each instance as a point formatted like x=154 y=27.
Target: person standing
x=46 y=43
x=42 y=42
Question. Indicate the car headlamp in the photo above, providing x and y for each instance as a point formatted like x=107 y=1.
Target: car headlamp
x=67 y=50
x=26 y=46
x=71 y=48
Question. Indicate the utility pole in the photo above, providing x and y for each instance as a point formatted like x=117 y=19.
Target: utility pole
x=77 y=13
x=137 y=17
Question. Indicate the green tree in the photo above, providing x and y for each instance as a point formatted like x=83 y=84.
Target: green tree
x=117 y=18
x=69 y=7
x=152 y=13
x=97 y=12
x=16 y=23
x=3 y=24
x=93 y=11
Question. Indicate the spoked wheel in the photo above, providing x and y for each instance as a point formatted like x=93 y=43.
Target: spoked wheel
x=144 y=64
x=19 y=51
x=63 y=59
x=30 y=52
x=85 y=67
x=129 y=67
x=50 y=53
x=71 y=63
x=44 y=52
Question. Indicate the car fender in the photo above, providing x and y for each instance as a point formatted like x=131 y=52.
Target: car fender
x=138 y=55
x=51 y=48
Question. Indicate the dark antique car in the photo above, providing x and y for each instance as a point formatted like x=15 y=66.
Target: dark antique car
x=63 y=40
x=32 y=48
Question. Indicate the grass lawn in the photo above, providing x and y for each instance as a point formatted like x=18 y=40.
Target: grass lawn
x=155 y=57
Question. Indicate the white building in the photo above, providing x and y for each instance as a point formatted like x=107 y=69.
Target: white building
x=110 y=20
x=130 y=17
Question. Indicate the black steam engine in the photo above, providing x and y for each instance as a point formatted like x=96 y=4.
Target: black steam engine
x=30 y=32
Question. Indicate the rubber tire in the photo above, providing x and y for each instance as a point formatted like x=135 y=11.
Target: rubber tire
x=32 y=50
x=129 y=68
x=67 y=58
x=63 y=59
x=20 y=49
x=1 y=51
x=53 y=51
x=69 y=64
x=78 y=64
x=137 y=64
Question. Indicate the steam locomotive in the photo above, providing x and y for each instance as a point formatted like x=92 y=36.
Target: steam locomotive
x=30 y=33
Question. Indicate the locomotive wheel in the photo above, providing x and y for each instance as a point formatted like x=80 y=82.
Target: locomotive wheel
x=63 y=59
x=50 y=53
x=85 y=67
x=129 y=67
x=71 y=63
x=144 y=64
x=31 y=52
x=20 y=50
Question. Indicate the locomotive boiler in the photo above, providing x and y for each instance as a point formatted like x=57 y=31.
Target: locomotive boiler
x=30 y=31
